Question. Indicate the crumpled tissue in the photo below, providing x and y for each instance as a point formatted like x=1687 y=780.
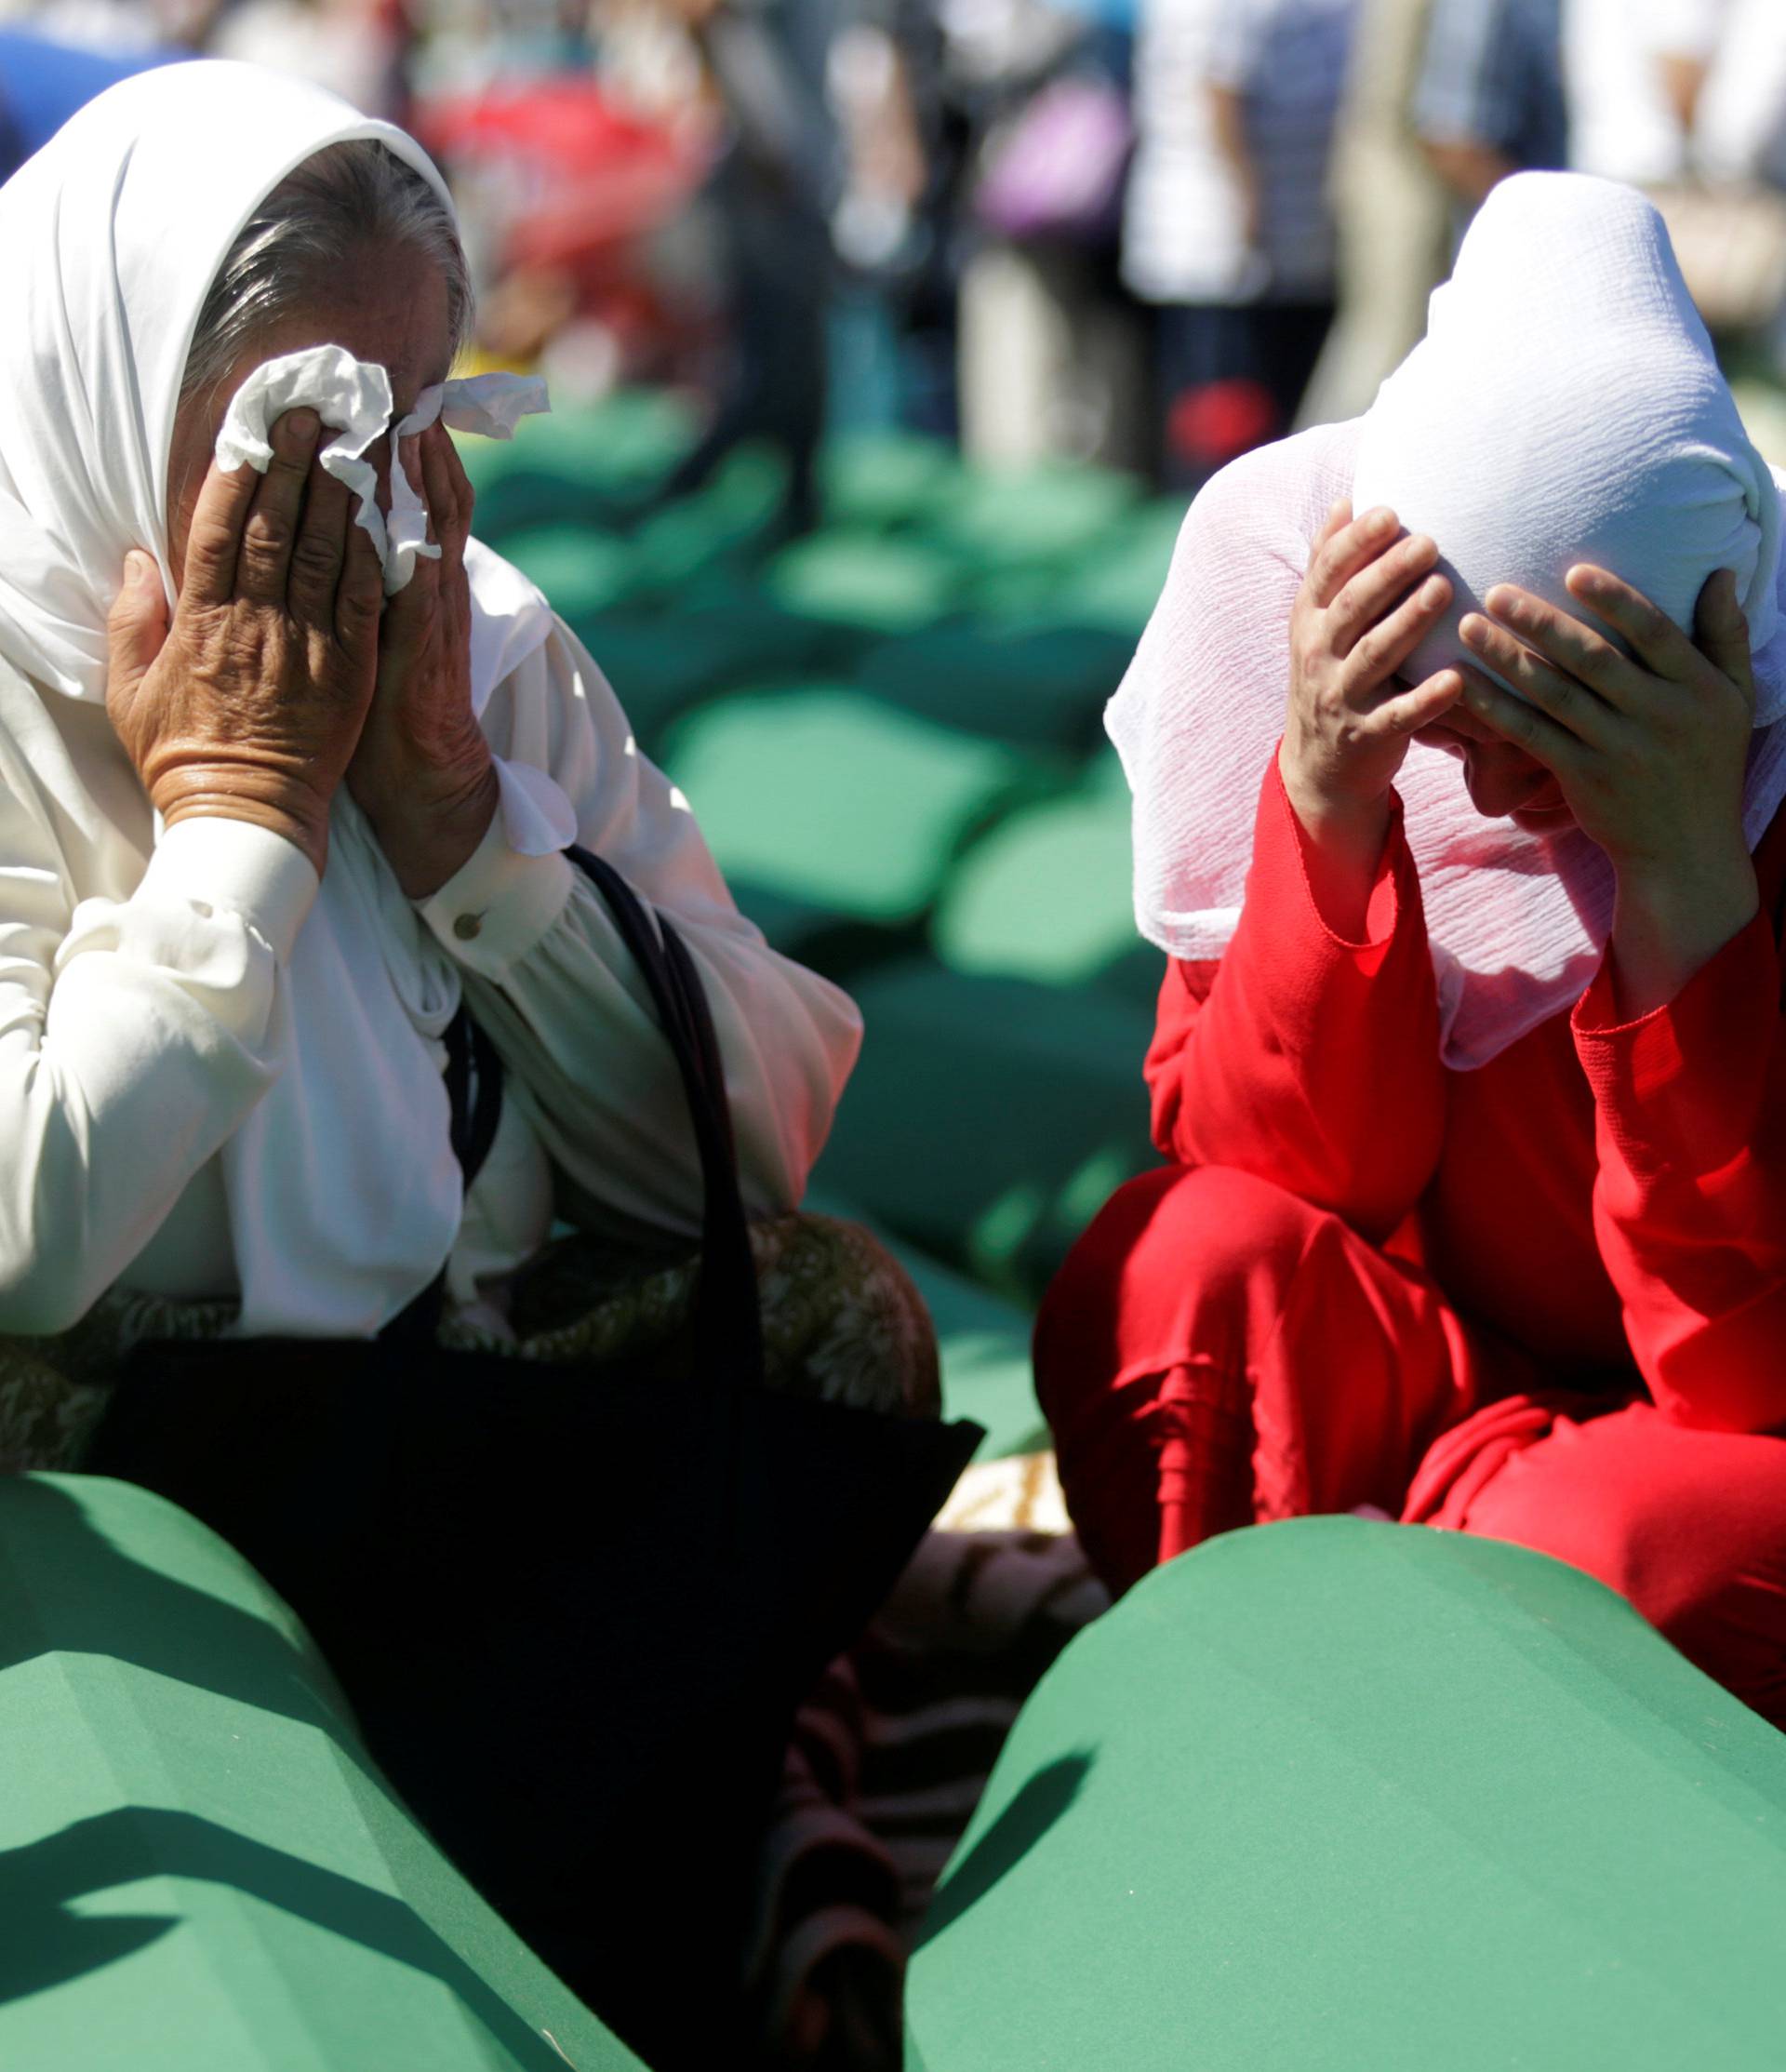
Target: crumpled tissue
x=353 y=398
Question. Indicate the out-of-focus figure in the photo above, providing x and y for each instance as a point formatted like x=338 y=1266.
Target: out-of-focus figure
x=354 y=47
x=772 y=192
x=1229 y=229
x=1392 y=215
x=1632 y=70
x=1490 y=98
x=1643 y=108
x=1740 y=122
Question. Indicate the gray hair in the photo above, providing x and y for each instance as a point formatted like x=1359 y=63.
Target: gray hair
x=348 y=196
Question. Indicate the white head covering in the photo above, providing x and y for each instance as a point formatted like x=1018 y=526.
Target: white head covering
x=1564 y=406
x=341 y=1184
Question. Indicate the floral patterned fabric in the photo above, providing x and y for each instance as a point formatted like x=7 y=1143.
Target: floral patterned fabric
x=840 y=1321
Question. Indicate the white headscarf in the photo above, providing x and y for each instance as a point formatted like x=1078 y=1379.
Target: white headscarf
x=1564 y=406
x=341 y=1185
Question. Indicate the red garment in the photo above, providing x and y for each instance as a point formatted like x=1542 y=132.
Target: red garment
x=1545 y=1300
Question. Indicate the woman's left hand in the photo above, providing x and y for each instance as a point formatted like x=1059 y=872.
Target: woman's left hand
x=424 y=774
x=1649 y=750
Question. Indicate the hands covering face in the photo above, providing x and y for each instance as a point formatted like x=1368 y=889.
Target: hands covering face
x=1646 y=744
x=248 y=703
x=284 y=670
x=1649 y=748
x=422 y=772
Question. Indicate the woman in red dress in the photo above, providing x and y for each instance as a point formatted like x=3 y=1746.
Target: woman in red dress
x=1470 y=1061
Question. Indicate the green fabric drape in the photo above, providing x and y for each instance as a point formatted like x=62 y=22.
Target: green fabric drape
x=1329 y=1794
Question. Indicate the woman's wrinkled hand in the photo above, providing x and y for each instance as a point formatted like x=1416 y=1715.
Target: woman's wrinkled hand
x=1649 y=749
x=424 y=774
x=248 y=703
x=1369 y=598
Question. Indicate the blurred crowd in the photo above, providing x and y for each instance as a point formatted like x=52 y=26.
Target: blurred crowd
x=1149 y=233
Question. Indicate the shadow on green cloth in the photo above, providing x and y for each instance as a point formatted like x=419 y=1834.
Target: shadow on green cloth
x=1042 y=1800
x=151 y=1622
x=47 y=1944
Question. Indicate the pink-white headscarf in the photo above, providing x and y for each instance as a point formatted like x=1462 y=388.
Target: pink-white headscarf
x=1564 y=406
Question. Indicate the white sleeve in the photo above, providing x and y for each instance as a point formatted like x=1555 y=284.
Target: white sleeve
x=551 y=981
x=134 y=1037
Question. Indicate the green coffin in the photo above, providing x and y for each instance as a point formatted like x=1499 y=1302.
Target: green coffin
x=1337 y=1797
x=200 y=1871
x=818 y=793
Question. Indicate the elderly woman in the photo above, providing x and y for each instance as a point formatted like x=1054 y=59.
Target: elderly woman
x=1469 y=1053
x=263 y=829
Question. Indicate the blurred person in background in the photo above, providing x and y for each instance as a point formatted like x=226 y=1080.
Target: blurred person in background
x=1739 y=126
x=354 y=48
x=1051 y=356
x=820 y=151
x=1643 y=108
x=1227 y=228
x=1632 y=70
x=1392 y=215
x=1490 y=99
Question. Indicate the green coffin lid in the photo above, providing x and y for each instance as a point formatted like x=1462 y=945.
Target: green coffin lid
x=863 y=581
x=726 y=520
x=631 y=438
x=1330 y=1796
x=1045 y=689
x=200 y=1870
x=1045 y=895
x=582 y=570
x=886 y=478
x=989 y=1119
x=1050 y=515
x=662 y=662
x=821 y=793
x=1114 y=583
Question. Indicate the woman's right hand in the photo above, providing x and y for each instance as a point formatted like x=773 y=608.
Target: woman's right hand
x=250 y=703
x=1369 y=598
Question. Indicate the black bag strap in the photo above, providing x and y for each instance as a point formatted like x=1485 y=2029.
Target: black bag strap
x=475 y=1089
x=728 y=1324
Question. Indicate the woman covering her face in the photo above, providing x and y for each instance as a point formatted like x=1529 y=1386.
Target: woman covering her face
x=1469 y=1055
x=272 y=816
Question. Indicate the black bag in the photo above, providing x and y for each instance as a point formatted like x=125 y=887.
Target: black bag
x=575 y=1609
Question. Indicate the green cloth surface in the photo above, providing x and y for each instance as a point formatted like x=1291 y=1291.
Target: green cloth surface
x=821 y=793
x=1045 y=689
x=200 y=1869
x=865 y=581
x=989 y=1119
x=886 y=478
x=1329 y=1794
x=628 y=439
x=1044 y=516
x=726 y=519
x=582 y=569
x=1114 y=583
x=1045 y=895
x=661 y=663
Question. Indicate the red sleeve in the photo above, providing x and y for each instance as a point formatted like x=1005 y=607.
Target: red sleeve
x=1690 y=1203
x=1302 y=1057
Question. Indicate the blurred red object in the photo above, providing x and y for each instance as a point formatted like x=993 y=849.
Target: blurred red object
x=560 y=173
x=1211 y=425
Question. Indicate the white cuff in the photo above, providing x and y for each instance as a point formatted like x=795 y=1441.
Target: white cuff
x=212 y=861
x=498 y=904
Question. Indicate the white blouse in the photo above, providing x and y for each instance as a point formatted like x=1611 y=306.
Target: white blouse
x=143 y=983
